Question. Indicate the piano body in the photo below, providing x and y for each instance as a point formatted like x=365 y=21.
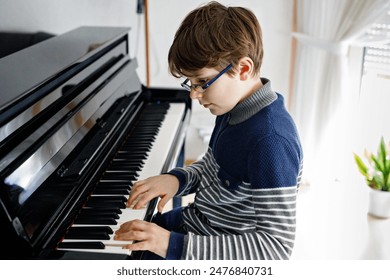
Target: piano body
x=77 y=128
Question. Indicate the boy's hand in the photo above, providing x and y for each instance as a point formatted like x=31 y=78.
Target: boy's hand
x=150 y=237
x=164 y=186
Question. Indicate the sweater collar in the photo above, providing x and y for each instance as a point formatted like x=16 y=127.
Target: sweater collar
x=253 y=104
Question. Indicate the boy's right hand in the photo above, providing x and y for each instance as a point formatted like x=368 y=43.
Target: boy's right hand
x=164 y=186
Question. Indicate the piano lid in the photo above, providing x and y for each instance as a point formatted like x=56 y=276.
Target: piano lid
x=52 y=95
x=23 y=71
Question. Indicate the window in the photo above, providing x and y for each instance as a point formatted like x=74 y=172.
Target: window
x=374 y=96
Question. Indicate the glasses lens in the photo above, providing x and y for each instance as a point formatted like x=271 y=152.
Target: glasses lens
x=185 y=85
x=198 y=88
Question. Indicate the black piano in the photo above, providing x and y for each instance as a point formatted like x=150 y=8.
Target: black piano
x=77 y=129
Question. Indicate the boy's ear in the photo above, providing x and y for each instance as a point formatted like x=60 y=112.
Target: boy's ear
x=245 y=66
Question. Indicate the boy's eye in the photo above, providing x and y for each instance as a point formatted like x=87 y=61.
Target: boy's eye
x=202 y=81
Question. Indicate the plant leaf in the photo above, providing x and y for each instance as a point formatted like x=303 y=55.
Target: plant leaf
x=378 y=165
x=361 y=166
x=382 y=153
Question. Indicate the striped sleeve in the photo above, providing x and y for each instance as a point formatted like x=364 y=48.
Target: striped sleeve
x=273 y=237
x=191 y=176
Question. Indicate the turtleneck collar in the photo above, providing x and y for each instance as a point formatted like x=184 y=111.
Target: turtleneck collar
x=253 y=104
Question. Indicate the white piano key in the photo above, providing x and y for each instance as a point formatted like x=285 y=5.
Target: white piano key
x=107 y=250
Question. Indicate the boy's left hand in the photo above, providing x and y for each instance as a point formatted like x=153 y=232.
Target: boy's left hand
x=150 y=237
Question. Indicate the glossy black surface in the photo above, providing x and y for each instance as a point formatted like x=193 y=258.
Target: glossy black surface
x=72 y=114
x=23 y=71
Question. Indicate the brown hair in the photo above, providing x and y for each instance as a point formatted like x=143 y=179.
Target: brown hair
x=214 y=36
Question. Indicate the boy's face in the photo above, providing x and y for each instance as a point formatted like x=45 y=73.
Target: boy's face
x=221 y=96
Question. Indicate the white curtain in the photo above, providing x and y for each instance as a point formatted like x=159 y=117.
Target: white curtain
x=325 y=29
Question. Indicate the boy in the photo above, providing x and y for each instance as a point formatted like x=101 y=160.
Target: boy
x=246 y=184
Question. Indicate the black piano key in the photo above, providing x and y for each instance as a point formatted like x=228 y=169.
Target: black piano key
x=95 y=220
x=137 y=145
x=141 y=149
x=119 y=176
x=141 y=140
x=138 y=142
x=111 y=191
x=121 y=171
x=154 y=119
x=81 y=245
x=101 y=187
x=124 y=156
x=96 y=229
x=89 y=233
x=111 y=215
x=88 y=236
x=118 y=185
x=146 y=135
x=100 y=211
x=132 y=155
x=126 y=161
x=106 y=204
x=131 y=164
x=117 y=181
x=131 y=147
x=106 y=198
x=146 y=131
x=126 y=167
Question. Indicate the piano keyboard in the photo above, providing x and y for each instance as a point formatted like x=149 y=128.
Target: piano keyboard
x=142 y=155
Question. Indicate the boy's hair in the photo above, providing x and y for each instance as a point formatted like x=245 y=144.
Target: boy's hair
x=214 y=36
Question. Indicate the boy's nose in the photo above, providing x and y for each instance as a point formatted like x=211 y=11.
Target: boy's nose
x=195 y=94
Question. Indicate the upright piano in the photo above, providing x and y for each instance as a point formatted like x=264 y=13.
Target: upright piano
x=77 y=129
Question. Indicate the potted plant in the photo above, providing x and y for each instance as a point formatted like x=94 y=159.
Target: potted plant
x=376 y=170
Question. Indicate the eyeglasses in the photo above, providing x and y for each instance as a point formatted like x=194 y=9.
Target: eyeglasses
x=202 y=88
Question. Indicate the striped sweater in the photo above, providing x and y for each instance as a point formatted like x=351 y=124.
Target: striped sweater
x=245 y=186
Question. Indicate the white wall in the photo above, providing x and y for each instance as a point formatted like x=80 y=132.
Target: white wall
x=164 y=18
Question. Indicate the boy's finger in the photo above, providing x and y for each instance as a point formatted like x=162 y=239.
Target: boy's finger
x=142 y=201
x=161 y=204
x=135 y=192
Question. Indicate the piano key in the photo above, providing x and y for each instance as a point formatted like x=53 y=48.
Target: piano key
x=124 y=165
x=105 y=204
x=111 y=170
x=81 y=245
x=95 y=220
x=132 y=155
x=114 y=176
x=138 y=146
x=105 y=250
x=108 y=190
x=107 y=214
x=108 y=198
x=113 y=185
x=89 y=233
x=100 y=211
x=153 y=165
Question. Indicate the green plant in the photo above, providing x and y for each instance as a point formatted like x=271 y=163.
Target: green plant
x=377 y=169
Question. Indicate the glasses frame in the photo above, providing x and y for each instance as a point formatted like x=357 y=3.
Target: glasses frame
x=206 y=85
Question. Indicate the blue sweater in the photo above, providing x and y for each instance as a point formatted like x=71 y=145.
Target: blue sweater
x=245 y=185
